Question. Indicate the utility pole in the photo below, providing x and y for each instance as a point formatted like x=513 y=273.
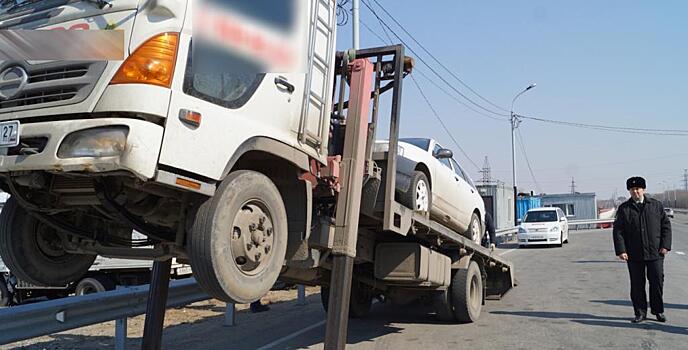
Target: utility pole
x=514 y=124
x=355 y=23
x=685 y=179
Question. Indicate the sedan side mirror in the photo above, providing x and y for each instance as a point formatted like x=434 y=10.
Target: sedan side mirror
x=443 y=153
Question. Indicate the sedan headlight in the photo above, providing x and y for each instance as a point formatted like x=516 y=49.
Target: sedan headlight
x=97 y=142
x=522 y=230
x=554 y=229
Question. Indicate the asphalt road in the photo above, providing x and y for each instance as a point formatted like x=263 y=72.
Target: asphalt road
x=575 y=297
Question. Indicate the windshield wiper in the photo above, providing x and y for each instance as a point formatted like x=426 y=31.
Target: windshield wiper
x=19 y=5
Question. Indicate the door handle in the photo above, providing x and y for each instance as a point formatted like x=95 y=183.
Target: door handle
x=284 y=84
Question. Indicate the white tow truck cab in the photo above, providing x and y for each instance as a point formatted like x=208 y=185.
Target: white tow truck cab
x=195 y=142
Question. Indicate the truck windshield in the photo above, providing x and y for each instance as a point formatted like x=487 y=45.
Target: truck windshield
x=15 y=8
x=541 y=216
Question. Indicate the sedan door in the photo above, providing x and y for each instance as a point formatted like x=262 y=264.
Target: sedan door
x=466 y=195
x=445 y=192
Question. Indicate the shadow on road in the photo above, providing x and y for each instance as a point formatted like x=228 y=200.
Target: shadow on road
x=558 y=315
x=594 y=320
x=599 y=262
x=628 y=303
x=650 y=326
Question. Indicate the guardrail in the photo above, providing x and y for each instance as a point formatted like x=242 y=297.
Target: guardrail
x=34 y=320
x=512 y=230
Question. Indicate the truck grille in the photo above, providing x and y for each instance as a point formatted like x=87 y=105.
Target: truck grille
x=52 y=84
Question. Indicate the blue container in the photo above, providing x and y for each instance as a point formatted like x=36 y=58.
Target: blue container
x=526 y=203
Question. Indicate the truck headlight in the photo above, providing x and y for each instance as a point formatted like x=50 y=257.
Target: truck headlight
x=105 y=141
x=522 y=230
x=554 y=229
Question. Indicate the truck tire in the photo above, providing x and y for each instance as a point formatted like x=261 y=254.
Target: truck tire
x=443 y=306
x=33 y=251
x=92 y=285
x=467 y=293
x=360 y=303
x=419 y=195
x=239 y=238
x=475 y=229
x=5 y=296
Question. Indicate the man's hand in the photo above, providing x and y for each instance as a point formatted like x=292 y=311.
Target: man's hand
x=623 y=256
x=663 y=251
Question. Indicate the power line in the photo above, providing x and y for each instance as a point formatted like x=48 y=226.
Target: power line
x=617 y=129
x=436 y=60
x=427 y=101
x=525 y=155
x=442 y=123
x=428 y=65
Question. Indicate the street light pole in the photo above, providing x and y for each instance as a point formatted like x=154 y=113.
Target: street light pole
x=355 y=23
x=514 y=124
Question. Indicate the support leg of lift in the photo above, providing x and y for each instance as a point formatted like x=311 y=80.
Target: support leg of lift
x=157 y=303
x=338 y=308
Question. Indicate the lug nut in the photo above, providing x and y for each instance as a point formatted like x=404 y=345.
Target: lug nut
x=258 y=255
x=252 y=227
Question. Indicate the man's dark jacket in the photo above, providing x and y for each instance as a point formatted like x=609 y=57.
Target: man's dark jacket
x=641 y=230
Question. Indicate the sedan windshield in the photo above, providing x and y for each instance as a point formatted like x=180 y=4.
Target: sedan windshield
x=541 y=216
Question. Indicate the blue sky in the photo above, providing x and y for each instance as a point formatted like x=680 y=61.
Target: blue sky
x=621 y=63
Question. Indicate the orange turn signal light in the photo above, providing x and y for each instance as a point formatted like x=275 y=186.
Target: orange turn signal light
x=188 y=183
x=152 y=63
x=190 y=117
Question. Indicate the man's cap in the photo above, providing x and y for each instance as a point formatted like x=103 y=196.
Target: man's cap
x=635 y=181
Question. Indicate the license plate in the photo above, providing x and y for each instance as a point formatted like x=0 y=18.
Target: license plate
x=9 y=133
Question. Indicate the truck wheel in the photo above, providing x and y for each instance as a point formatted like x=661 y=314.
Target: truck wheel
x=467 y=293
x=239 y=238
x=92 y=285
x=5 y=296
x=443 y=307
x=34 y=252
x=419 y=195
x=475 y=230
x=360 y=302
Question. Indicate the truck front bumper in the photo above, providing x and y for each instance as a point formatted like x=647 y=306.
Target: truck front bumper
x=139 y=157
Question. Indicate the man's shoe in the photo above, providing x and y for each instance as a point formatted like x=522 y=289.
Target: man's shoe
x=661 y=317
x=639 y=318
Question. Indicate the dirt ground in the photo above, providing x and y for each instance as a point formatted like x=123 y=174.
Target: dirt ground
x=101 y=336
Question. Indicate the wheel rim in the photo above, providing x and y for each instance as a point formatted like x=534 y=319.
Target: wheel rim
x=422 y=196
x=474 y=293
x=475 y=231
x=89 y=290
x=252 y=238
x=49 y=243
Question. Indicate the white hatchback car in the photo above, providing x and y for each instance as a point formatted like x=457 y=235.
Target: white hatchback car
x=543 y=226
x=429 y=180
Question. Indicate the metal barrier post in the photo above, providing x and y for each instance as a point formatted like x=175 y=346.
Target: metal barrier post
x=157 y=301
x=301 y=293
x=121 y=331
x=230 y=316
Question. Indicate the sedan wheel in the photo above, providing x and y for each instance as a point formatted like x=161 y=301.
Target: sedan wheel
x=422 y=196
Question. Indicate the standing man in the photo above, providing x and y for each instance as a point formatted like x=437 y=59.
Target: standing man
x=490 y=227
x=642 y=237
